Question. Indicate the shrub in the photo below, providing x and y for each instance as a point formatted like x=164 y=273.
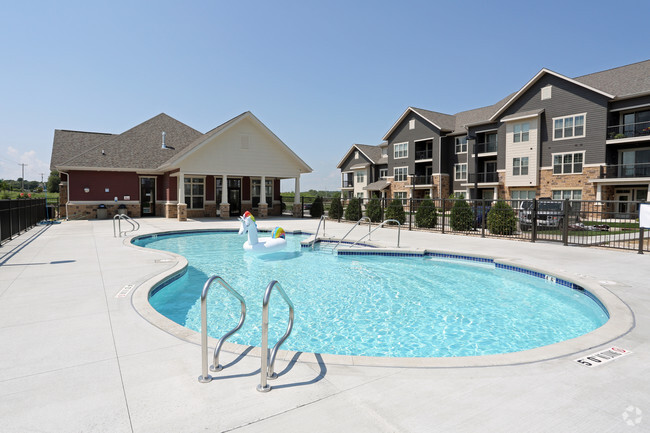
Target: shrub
x=501 y=219
x=426 y=215
x=336 y=209
x=395 y=211
x=461 y=217
x=374 y=210
x=316 y=207
x=353 y=211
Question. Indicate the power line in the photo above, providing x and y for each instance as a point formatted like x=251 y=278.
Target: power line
x=22 y=179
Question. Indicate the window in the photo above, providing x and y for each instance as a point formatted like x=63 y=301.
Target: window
x=521 y=132
x=567 y=163
x=460 y=172
x=400 y=195
x=360 y=195
x=256 y=185
x=461 y=144
x=520 y=166
x=571 y=194
x=400 y=174
x=412 y=124
x=569 y=127
x=517 y=196
x=361 y=176
x=194 y=187
x=401 y=150
x=383 y=173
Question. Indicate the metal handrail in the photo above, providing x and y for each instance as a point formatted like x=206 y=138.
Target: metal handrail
x=119 y=218
x=350 y=231
x=399 y=228
x=322 y=220
x=266 y=370
x=205 y=377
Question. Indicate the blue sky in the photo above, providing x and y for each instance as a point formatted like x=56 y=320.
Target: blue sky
x=321 y=75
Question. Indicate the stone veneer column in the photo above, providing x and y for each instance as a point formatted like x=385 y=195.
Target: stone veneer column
x=182 y=211
x=297 y=208
x=224 y=206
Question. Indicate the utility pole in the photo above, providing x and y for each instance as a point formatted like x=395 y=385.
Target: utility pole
x=22 y=179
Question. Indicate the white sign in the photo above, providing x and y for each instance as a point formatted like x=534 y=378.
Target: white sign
x=602 y=357
x=644 y=215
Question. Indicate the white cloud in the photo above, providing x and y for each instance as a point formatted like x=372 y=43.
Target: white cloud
x=10 y=167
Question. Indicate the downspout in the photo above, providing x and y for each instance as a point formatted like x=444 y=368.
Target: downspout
x=67 y=214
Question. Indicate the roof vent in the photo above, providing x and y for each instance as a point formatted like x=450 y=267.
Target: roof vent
x=103 y=153
x=164 y=146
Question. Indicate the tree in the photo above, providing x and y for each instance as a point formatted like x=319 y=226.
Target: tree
x=395 y=211
x=501 y=219
x=374 y=210
x=316 y=210
x=353 y=211
x=426 y=216
x=461 y=218
x=53 y=181
x=336 y=209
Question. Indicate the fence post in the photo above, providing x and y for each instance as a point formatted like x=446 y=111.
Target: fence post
x=533 y=222
x=443 y=214
x=302 y=207
x=410 y=212
x=482 y=218
x=640 y=240
x=565 y=223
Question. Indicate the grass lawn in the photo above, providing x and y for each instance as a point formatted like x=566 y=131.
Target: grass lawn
x=12 y=195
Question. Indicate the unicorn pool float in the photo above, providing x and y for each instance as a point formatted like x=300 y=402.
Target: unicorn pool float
x=271 y=244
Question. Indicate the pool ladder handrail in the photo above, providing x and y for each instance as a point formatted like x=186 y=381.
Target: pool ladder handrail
x=399 y=228
x=322 y=220
x=267 y=363
x=205 y=376
x=135 y=226
x=353 y=227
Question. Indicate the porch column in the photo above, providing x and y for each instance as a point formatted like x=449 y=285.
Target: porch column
x=181 y=207
x=263 y=207
x=647 y=198
x=224 y=206
x=296 y=198
x=599 y=192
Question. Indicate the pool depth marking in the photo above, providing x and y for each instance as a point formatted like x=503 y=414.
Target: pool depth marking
x=602 y=357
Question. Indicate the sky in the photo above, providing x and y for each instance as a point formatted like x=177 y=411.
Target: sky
x=321 y=75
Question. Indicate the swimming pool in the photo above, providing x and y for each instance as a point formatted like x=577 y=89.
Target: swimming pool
x=372 y=305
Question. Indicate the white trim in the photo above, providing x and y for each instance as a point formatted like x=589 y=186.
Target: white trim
x=191 y=195
x=399 y=144
x=634 y=107
x=533 y=80
x=460 y=179
x=403 y=116
x=406 y=176
x=583 y=152
x=584 y=127
x=627 y=140
x=522 y=117
x=424 y=139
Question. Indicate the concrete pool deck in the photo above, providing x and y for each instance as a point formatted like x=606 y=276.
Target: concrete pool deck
x=75 y=357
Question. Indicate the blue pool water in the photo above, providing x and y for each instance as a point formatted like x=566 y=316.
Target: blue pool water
x=371 y=305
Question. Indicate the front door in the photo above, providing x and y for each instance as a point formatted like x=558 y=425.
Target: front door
x=147 y=196
x=234 y=196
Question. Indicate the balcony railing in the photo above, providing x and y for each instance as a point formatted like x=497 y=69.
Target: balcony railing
x=423 y=154
x=628 y=130
x=347 y=184
x=421 y=180
x=625 y=170
x=486 y=147
x=485 y=177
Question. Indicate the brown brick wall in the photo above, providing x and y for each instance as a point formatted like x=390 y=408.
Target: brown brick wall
x=89 y=211
x=548 y=182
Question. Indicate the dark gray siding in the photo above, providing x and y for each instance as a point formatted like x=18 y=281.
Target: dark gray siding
x=350 y=161
x=627 y=103
x=567 y=99
x=402 y=133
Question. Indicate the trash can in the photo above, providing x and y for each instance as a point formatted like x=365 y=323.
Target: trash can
x=121 y=210
x=102 y=212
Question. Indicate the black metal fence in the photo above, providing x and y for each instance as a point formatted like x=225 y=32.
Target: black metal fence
x=607 y=224
x=17 y=216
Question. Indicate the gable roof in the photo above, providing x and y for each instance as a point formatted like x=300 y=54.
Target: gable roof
x=372 y=153
x=443 y=122
x=624 y=81
x=137 y=148
x=67 y=144
x=203 y=139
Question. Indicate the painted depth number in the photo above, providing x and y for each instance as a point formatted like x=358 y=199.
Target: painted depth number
x=602 y=357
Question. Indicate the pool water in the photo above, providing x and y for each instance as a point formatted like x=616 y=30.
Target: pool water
x=370 y=305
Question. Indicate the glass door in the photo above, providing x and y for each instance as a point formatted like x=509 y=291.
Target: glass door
x=147 y=196
x=234 y=196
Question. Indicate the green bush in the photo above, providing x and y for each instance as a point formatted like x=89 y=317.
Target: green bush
x=501 y=219
x=461 y=217
x=336 y=209
x=395 y=211
x=374 y=210
x=353 y=211
x=426 y=215
x=316 y=207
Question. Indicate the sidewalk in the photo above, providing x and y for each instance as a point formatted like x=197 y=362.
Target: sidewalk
x=77 y=358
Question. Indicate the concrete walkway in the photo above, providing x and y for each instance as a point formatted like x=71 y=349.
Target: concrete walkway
x=76 y=358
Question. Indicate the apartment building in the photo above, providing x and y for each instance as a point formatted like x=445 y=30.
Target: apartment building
x=583 y=138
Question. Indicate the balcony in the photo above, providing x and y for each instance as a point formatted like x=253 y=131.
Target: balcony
x=347 y=184
x=620 y=171
x=421 y=180
x=628 y=130
x=423 y=154
x=489 y=147
x=485 y=177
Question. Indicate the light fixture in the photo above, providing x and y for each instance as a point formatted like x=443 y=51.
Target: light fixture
x=164 y=146
x=86 y=190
